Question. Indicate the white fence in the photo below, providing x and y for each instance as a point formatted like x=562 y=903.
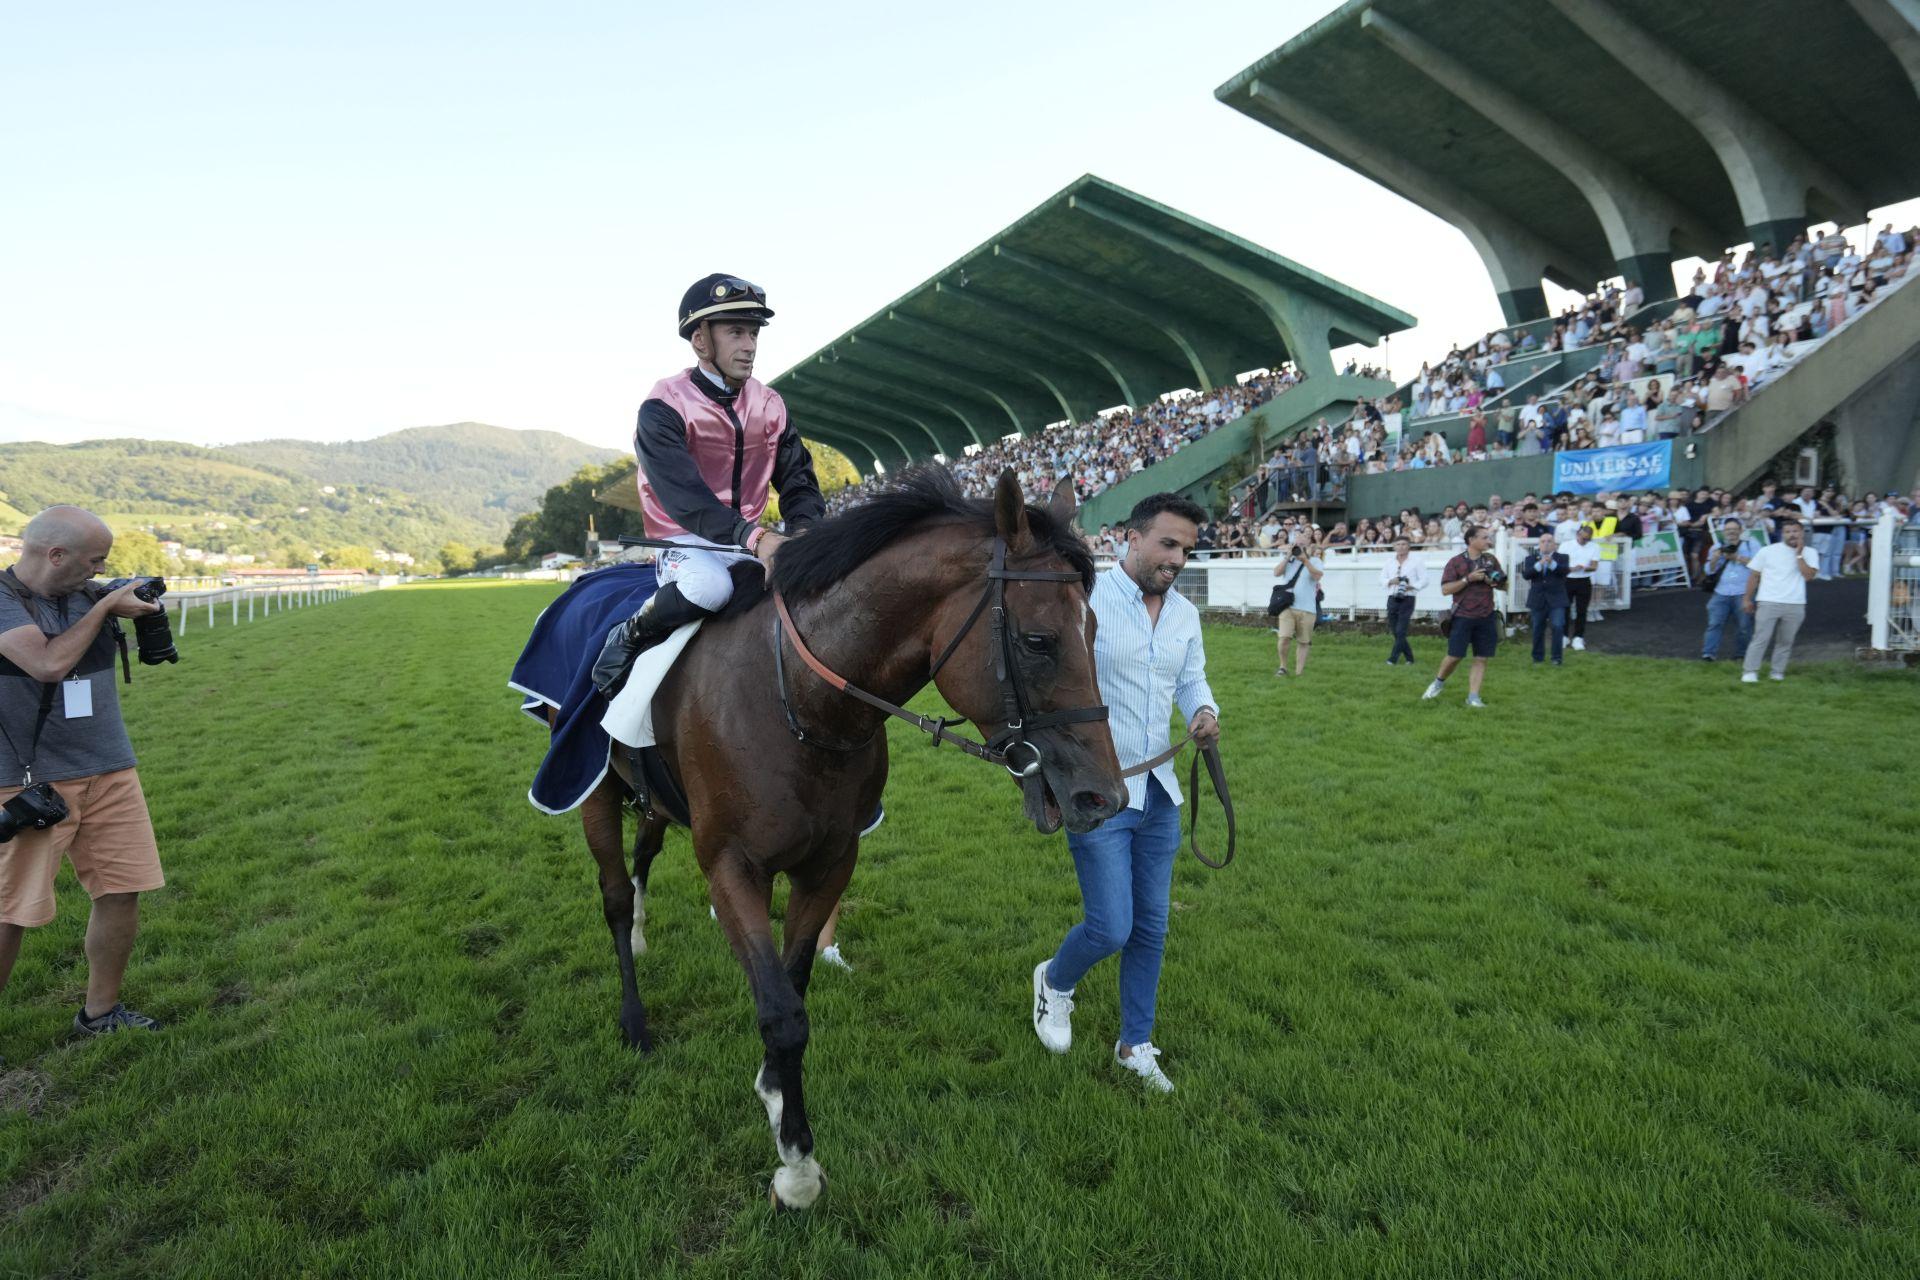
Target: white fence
x=1353 y=588
x=231 y=606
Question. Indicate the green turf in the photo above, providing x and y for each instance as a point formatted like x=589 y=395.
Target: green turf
x=1615 y=978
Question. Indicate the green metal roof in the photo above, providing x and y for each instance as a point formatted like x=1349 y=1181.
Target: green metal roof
x=1098 y=297
x=1816 y=73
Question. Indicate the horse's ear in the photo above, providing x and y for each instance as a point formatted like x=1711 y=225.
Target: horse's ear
x=1063 y=506
x=1010 y=513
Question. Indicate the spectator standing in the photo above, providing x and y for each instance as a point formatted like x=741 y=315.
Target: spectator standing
x=1468 y=578
x=1546 y=572
x=1583 y=560
x=1300 y=574
x=1776 y=596
x=1727 y=571
x=1404 y=578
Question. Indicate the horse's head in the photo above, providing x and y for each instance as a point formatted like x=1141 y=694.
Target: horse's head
x=1018 y=672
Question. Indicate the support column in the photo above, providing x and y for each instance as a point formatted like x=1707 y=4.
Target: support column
x=1876 y=434
x=1515 y=257
x=1898 y=23
x=1770 y=172
x=1641 y=223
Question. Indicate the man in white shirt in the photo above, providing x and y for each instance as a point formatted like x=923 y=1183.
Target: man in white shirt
x=1583 y=559
x=1403 y=578
x=1777 y=598
x=1148 y=651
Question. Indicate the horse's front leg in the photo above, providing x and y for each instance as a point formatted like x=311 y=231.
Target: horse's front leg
x=812 y=901
x=740 y=897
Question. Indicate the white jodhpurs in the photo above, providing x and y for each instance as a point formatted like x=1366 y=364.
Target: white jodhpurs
x=702 y=574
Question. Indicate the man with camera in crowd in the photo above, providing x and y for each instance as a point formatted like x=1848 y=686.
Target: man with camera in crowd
x=1726 y=578
x=1470 y=579
x=1404 y=578
x=64 y=754
x=1296 y=603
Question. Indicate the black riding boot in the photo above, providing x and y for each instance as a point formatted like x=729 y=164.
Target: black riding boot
x=659 y=618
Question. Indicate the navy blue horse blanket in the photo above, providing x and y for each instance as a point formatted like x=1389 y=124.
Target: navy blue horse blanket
x=556 y=670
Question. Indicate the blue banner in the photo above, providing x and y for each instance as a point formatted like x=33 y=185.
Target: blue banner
x=1626 y=466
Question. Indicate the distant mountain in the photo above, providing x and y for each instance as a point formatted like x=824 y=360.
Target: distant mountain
x=489 y=474
x=411 y=491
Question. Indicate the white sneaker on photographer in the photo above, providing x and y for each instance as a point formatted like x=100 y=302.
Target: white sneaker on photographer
x=1579 y=643
x=1052 y=1011
x=1433 y=690
x=1142 y=1060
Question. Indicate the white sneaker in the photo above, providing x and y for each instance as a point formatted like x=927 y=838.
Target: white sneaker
x=1749 y=677
x=1580 y=643
x=1594 y=615
x=1141 y=1060
x=833 y=957
x=1052 y=1011
x=1776 y=676
x=1433 y=690
x=1473 y=700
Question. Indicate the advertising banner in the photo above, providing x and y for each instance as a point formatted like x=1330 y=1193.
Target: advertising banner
x=1626 y=466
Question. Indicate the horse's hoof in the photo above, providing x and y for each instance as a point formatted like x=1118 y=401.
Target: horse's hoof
x=637 y=1038
x=791 y=1190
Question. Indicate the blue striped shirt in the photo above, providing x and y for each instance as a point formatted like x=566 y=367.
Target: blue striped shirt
x=1144 y=669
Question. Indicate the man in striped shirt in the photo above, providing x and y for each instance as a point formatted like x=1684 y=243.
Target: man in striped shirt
x=1148 y=653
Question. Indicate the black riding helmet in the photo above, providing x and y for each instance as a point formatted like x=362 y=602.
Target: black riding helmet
x=722 y=297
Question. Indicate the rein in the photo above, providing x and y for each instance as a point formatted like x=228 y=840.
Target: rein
x=1019 y=717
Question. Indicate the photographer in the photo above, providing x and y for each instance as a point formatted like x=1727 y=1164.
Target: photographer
x=1470 y=579
x=1404 y=578
x=60 y=712
x=1726 y=577
x=1295 y=603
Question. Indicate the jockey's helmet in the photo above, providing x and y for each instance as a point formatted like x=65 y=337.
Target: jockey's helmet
x=722 y=297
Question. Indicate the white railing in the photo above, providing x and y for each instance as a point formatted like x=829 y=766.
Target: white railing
x=225 y=605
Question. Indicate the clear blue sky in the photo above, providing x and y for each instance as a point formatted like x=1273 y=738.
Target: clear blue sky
x=226 y=222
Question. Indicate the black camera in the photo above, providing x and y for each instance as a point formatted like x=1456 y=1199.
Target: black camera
x=35 y=809
x=152 y=632
x=1496 y=576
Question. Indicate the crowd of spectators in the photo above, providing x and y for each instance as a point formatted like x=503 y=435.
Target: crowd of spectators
x=1737 y=327
x=1100 y=453
x=1838 y=523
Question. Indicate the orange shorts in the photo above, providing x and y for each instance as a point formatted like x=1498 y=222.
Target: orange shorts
x=106 y=835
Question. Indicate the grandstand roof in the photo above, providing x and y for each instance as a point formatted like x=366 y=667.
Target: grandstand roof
x=1098 y=297
x=1571 y=137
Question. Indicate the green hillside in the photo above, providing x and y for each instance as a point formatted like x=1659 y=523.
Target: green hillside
x=290 y=501
x=487 y=474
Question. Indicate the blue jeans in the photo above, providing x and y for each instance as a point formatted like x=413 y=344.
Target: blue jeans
x=1548 y=621
x=1719 y=608
x=1126 y=880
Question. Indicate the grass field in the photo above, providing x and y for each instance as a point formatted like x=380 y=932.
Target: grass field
x=1615 y=978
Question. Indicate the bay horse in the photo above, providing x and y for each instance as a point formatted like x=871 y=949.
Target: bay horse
x=782 y=766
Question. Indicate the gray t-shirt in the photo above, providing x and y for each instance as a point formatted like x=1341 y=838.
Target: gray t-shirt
x=69 y=748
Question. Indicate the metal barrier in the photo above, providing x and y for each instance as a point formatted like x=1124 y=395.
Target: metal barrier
x=1893 y=585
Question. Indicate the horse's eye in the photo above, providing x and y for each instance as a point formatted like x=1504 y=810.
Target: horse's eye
x=1040 y=642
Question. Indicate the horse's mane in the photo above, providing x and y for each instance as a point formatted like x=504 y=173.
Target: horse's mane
x=836 y=546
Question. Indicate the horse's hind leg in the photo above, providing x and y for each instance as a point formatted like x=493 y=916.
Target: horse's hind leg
x=600 y=817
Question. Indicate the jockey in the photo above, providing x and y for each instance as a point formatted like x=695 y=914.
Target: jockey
x=709 y=441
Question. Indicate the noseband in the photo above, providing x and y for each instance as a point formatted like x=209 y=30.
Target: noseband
x=1017 y=710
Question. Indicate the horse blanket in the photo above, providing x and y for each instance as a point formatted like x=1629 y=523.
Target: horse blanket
x=556 y=670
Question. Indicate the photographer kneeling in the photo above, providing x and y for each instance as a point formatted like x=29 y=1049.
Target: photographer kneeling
x=62 y=741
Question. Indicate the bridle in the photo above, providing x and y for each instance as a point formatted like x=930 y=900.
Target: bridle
x=1018 y=713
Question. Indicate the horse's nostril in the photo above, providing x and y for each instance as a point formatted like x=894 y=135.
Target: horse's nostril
x=1091 y=800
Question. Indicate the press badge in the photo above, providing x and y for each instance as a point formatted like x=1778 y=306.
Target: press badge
x=79 y=696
